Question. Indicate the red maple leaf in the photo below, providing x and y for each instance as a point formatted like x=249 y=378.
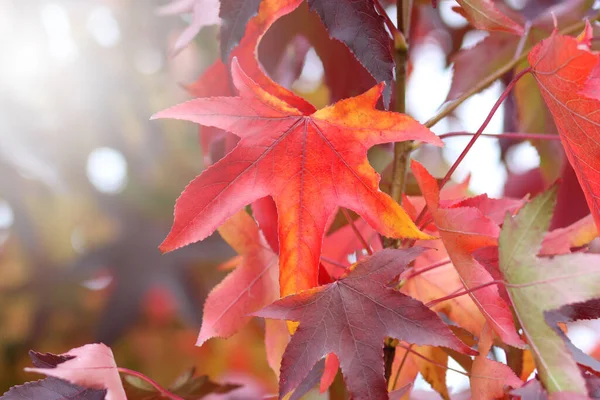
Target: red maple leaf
x=566 y=72
x=351 y=318
x=251 y=286
x=309 y=162
x=484 y=14
x=465 y=227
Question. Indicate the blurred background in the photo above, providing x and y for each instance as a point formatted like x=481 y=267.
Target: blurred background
x=87 y=188
x=88 y=183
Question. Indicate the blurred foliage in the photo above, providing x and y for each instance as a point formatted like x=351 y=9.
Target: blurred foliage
x=79 y=265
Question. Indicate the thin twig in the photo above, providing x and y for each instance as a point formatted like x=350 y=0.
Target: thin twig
x=333 y=262
x=416 y=353
x=429 y=268
x=485 y=123
x=506 y=135
x=462 y=293
x=400 y=368
x=359 y=235
x=450 y=107
x=160 y=389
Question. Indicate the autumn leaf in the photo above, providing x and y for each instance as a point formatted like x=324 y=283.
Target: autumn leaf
x=500 y=47
x=51 y=388
x=310 y=163
x=489 y=378
x=483 y=14
x=92 y=365
x=562 y=240
x=570 y=313
x=564 y=68
x=467 y=69
x=351 y=318
x=465 y=228
x=204 y=12
x=251 y=286
x=536 y=285
x=235 y=15
x=400 y=393
x=215 y=81
x=277 y=26
x=343 y=74
x=430 y=284
x=357 y=24
x=433 y=372
x=265 y=212
x=533 y=390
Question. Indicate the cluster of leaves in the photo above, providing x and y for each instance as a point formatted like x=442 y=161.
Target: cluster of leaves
x=466 y=271
x=90 y=372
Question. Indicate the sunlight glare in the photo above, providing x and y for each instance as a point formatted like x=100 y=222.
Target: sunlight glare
x=61 y=45
x=522 y=158
x=104 y=27
x=107 y=170
x=312 y=73
x=7 y=217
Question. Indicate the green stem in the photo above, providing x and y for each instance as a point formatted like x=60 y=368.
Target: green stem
x=402 y=150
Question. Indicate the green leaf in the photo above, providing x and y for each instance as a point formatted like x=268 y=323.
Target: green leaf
x=537 y=284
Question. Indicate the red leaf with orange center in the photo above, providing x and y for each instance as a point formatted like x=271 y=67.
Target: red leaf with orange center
x=309 y=162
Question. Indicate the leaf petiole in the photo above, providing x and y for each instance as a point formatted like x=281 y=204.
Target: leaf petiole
x=160 y=389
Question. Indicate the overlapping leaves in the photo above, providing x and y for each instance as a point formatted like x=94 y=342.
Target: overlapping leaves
x=309 y=162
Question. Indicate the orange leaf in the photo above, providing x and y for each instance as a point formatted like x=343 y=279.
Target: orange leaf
x=489 y=378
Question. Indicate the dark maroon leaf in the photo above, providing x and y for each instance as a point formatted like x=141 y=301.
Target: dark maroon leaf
x=532 y=390
x=357 y=24
x=344 y=75
x=570 y=313
x=592 y=383
x=311 y=380
x=52 y=389
x=351 y=318
x=47 y=360
x=235 y=15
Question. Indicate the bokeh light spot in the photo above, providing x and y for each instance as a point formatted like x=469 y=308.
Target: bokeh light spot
x=107 y=170
x=104 y=27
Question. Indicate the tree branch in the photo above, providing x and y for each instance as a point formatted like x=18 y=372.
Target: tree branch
x=574 y=28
